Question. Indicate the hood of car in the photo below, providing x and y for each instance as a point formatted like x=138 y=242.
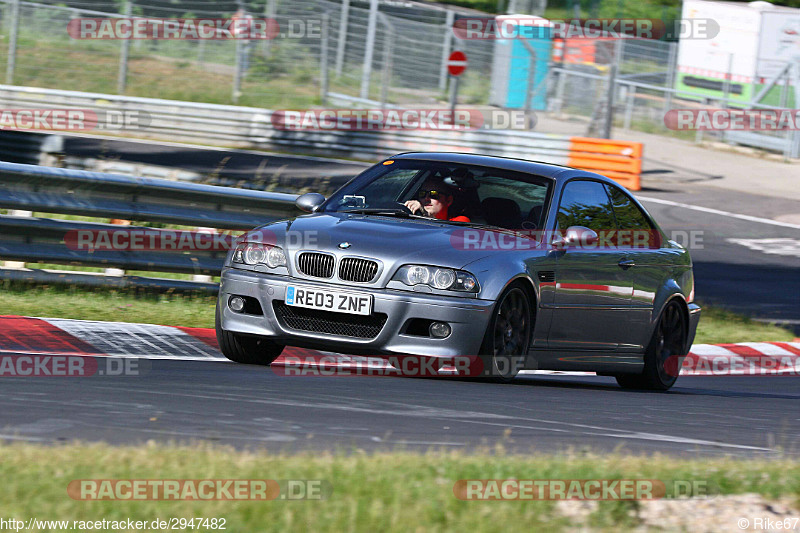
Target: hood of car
x=392 y=240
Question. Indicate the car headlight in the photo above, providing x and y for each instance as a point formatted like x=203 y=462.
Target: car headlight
x=276 y=257
x=253 y=253
x=437 y=278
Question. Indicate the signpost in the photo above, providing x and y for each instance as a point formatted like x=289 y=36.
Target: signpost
x=456 y=65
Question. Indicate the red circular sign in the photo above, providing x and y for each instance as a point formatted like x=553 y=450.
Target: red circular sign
x=457 y=63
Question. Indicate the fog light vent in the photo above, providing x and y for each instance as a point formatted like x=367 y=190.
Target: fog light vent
x=440 y=330
x=236 y=303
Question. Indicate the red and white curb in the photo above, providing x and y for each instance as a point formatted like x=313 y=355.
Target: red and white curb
x=57 y=336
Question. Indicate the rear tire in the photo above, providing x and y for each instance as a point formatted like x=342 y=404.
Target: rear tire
x=668 y=341
x=246 y=349
x=508 y=336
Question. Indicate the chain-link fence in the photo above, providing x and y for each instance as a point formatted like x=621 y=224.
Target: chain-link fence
x=335 y=52
x=385 y=55
x=388 y=55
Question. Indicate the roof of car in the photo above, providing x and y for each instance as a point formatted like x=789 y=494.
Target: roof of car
x=547 y=170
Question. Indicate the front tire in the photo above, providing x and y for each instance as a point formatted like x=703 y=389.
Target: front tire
x=508 y=336
x=668 y=341
x=246 y=349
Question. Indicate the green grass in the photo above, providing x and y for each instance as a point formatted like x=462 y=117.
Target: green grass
x=127 y=305
x=92 y=67
x=193 y=310
x=720 y=326
x=397 y=491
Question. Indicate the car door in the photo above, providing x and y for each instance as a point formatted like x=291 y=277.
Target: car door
x=639 y=243
x=593 y=292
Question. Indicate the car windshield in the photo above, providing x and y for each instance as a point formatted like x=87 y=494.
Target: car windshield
x=450 y=192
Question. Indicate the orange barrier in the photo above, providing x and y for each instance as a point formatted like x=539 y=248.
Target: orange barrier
x=619 y=160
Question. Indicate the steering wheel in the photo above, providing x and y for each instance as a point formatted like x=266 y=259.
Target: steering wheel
x=405 y=208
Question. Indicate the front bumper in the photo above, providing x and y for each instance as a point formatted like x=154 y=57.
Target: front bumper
x=694 y=320
x=468 y=317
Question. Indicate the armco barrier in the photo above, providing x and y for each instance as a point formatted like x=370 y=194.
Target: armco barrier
x=252 y=128
x=77 y=192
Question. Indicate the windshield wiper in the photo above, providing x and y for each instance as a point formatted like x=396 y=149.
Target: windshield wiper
x=479 y=225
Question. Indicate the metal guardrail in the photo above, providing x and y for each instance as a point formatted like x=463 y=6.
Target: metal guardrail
x=95 y=194
x=252 y=128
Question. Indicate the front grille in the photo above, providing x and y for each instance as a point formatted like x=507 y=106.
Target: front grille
x=358 y=270
x=315 y=264
x=314 y=320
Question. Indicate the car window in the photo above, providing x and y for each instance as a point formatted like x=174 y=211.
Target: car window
x=627 y=213
x=529 y=197
x=383 y=191
x=586 y=203
x=635 y=228
x=482 y=195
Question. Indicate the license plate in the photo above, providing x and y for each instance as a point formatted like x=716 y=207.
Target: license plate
x=339 y=302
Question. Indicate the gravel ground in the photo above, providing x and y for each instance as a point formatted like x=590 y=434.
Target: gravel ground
x=741 y=512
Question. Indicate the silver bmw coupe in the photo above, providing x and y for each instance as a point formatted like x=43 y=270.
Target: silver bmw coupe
x=524 y=265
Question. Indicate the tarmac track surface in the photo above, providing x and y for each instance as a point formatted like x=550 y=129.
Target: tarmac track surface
x=255 y=407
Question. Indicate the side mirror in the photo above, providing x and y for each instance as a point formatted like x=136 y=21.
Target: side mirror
x=309 y=202
x=576 y=236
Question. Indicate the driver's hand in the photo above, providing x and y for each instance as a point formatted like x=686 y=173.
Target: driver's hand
x=414 y=206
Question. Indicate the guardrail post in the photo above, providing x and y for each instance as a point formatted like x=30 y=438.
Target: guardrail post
x=560 y=87
x=12 y=43
x=612 y=87
x=342 y=42
x=237 y=74
x=370 y=44
x=323 y=58
x=201 y=51
x=672 y=61
x=17 y=213
x=388 y=48
x=531 y=80
x=122 y=75
x=269 y=13
x=726 y=87
x=698 y=135
x=629 y=107
x=446 y=46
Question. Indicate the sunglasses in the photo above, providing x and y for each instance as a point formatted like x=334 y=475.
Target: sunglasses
x=432 y=193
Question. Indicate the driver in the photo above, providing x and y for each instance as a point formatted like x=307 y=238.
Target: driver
x=433 y=200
